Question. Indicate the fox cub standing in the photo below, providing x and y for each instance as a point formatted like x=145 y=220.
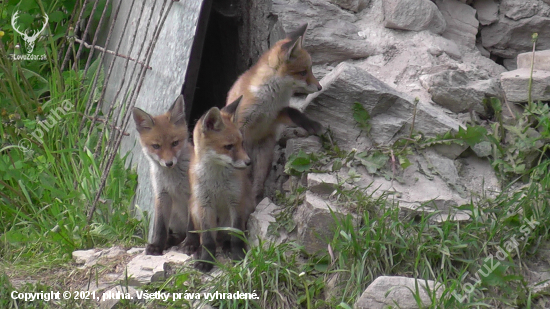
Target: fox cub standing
x=220 y=187
x=266 y=89
x=164 y=142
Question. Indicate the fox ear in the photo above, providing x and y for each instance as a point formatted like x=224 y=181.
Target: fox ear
x=298 y=33
x=293 y=48
x=212 y=120
x=143 y=120
x=177 y=111
x=231 y=109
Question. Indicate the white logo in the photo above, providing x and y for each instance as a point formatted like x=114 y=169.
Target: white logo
x=28 y=35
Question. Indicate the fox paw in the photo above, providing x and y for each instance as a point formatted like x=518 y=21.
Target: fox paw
x=189 y=248
x=204 y=266
x=152 y=249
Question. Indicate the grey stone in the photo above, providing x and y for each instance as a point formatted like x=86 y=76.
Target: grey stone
x=415 y=15
x=311 y=144
x=315 y=222
x=479 y=176
x=438 y=45
x=507 y=37
x=352 y=5
x=453 y=89
x=86 y=257
x=321 y=183
x=114 y=295
x=461 y=21
x=390 y=291
x=542 y=60
x=259 y=222
x=516 y=10
x=487 y=11
x=144 y=269
x=136 y=250
x=483 y=149
x=346 y=85
x=451 y=151
x=331 y=35
x=515 y=85
x=510 y=64
x=444 y=166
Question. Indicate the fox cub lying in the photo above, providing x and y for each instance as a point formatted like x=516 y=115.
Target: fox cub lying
x=220 y=187
x=163 y=140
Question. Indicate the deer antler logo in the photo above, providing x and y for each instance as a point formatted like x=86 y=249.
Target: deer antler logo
x=28 y=36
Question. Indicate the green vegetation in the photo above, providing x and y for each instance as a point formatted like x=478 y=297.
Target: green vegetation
x=48 y=182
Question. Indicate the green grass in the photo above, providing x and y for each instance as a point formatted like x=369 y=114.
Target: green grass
x=47 y=186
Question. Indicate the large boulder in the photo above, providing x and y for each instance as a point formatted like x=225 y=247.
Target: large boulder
x=542 y=60
x=516 y=85
x=390 y=111
x=413 y=15
x=388 y=291
x=352 y=5
x=507 y=38
x=487 y=11
x=462 y=24
x=331 y=35
x=458 y=92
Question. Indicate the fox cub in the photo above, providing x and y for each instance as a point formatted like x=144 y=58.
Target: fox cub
x=266 y=89
x=220 y=187
x=164 y=142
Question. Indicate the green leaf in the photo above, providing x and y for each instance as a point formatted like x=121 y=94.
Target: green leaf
x=361 y=116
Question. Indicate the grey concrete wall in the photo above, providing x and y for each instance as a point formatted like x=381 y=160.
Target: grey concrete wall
x=162 y=83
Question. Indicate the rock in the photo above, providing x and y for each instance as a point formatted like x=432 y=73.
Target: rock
x=478 y=176
x=311 y=144
x=483 y=51
x=445 y=167
x=346 y=85
x=451 y=151
x=510 y=64
x=438 y=45
x=542 y=60
x=507 y=37
x=144 y=269
x=321 y=183
x=259 y=221
x=86 y=257
x=136 y=250
x=515 y=85
x=331 y=34
x=352 y=5
x=483 y=149
x=461 y=22
x=387 y=291
x=453 y=89
x=415 y=15
x=315 y=222
x=487 y=11
x=519 y=10
x=114 y=295
x=113 y=252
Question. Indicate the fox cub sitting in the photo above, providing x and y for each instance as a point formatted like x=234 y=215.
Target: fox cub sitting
x=266 y=89
x=220 y=187
x=164 y=142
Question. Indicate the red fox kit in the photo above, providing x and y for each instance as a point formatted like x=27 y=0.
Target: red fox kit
x=220 y=187
x=266 y=89
x=164 y=142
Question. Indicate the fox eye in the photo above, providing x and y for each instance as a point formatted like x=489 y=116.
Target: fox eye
x=175 y=143
x=303 y=73
x=228 y=147
x=155 y=146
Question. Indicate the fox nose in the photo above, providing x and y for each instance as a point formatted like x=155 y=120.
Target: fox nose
x=319 y=87
x=169 y=163
x=248 y=162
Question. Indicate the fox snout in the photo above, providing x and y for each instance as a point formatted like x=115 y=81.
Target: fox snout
x=169 y=162
x=241 y=164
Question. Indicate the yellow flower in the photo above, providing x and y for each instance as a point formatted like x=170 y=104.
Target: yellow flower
x=1 y=34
